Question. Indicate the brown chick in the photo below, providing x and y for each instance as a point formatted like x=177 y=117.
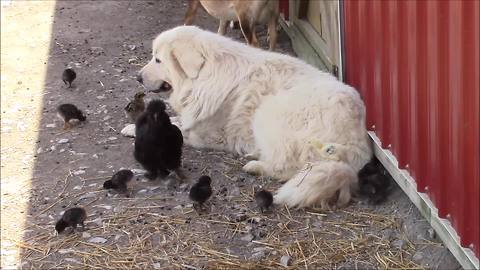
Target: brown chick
x=71 y=218
x=68 y=76
x=119 y=181
x=68 y=112
x=135 y=107
x=201 y=191
x=264 y=199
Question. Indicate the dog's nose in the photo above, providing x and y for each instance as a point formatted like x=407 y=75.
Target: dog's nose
x=139 y=78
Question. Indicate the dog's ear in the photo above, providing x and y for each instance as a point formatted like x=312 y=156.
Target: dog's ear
x=189 y=59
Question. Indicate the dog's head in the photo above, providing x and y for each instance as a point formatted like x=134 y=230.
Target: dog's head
x=175 y=58
x=199 y=68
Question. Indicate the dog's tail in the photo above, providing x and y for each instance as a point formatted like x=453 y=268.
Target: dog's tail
x=325 y=183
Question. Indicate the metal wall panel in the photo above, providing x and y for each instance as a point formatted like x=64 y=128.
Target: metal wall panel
x=416 y=64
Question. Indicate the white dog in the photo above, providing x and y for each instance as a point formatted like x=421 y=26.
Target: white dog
x=301 y=125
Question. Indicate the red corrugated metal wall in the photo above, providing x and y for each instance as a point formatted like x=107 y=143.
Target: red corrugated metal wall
x=416 y=64
x=283 y=4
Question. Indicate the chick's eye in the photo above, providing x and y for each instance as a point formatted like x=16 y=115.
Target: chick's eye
x=157 y=60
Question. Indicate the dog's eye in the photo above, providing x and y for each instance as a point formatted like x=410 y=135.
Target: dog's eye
x=157 y=60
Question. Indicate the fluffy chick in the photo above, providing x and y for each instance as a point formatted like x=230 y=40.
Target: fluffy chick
x=158 y=143
x=373 y=182
x=69 y=112
x=201 y=191
x=68 y=76
x=372 y=167
x=375 y=187
x=119 y=181
x=264 y=199
x=135 y=107
x=71 y=218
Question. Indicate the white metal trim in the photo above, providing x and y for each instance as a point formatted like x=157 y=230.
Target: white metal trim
x=465 y=256
x=340 y=41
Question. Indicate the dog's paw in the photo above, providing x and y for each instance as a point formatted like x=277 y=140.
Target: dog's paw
x=251 y=156
x=278 y=200
x=128 y=131
x=255 y=167
x=176 y=121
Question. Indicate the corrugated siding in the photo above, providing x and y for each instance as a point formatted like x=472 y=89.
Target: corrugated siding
x=416 y=64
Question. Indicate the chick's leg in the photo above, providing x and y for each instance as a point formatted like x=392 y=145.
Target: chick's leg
x=74 y=227
x=67 y=125
x=181 y=175
x=150 y=175
x=163 y=173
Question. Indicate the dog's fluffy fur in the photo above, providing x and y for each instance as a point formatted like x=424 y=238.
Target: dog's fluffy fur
x=270 y=106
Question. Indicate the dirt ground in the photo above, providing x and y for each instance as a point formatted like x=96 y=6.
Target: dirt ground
x=45 y=170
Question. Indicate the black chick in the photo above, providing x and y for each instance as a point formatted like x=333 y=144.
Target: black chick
x=69 y=112
x=372 y=167
x=375 y=187
x=69 y=76
x=264 y=199
x=201 y=191
x=119 y=181
x=158 y=143
x=71 y=218
x=373 y=182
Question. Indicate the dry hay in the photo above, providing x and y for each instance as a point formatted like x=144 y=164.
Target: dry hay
x=142 y=237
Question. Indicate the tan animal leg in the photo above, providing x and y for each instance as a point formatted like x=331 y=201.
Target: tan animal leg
x=272 y=32
x=254 y=36
x=191 y=11
x=245 y=25
x=67 y=125
x=222 y=27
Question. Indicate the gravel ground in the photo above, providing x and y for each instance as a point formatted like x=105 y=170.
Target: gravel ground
x=46 y=170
